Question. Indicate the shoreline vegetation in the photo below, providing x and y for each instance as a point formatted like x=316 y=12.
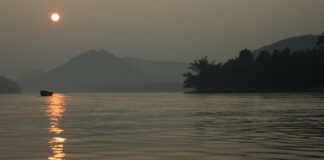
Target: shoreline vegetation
x=321 y=90
x=280 y=71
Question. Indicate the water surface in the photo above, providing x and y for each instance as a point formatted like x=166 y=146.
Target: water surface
x=162 y=126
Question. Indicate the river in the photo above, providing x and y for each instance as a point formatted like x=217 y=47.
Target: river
x=162 y=126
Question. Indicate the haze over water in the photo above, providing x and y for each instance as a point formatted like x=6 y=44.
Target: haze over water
x=160 y=126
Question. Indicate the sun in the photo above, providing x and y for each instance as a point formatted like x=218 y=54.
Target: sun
x=55 y=17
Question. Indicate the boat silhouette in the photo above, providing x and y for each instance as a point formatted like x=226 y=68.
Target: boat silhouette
x=46 y=93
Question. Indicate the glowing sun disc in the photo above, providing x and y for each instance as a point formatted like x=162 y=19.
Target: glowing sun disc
x=55 y=17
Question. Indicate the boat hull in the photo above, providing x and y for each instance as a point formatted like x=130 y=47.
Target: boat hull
x=46 y=93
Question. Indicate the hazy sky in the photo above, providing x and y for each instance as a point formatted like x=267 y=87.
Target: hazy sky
x=179 y=30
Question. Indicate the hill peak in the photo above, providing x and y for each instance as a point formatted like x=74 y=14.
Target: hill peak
x=293 y=43
x=96 y=53
x=93 y=56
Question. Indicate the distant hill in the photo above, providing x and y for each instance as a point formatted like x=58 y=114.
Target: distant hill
x=27 y=80
x=101 y=71
x=32 y=75
x=8 y=86
x=168 y=70
x=294 y=43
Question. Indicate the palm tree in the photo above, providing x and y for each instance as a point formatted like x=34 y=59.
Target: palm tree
x=320 y=41
x=200 y=79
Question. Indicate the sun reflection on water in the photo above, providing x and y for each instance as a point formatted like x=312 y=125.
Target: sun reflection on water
x=54 y=112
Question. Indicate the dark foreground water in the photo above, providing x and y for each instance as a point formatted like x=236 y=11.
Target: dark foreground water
x=162 y=126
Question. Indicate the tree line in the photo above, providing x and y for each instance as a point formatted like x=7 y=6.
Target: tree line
x=281 y=70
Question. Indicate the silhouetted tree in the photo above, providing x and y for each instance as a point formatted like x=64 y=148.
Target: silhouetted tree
x=246 y=56
x=277 y=71
x=262 y=69
x=201 y=79
x=320 y=41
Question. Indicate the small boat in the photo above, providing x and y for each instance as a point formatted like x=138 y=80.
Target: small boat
x=46 y=93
